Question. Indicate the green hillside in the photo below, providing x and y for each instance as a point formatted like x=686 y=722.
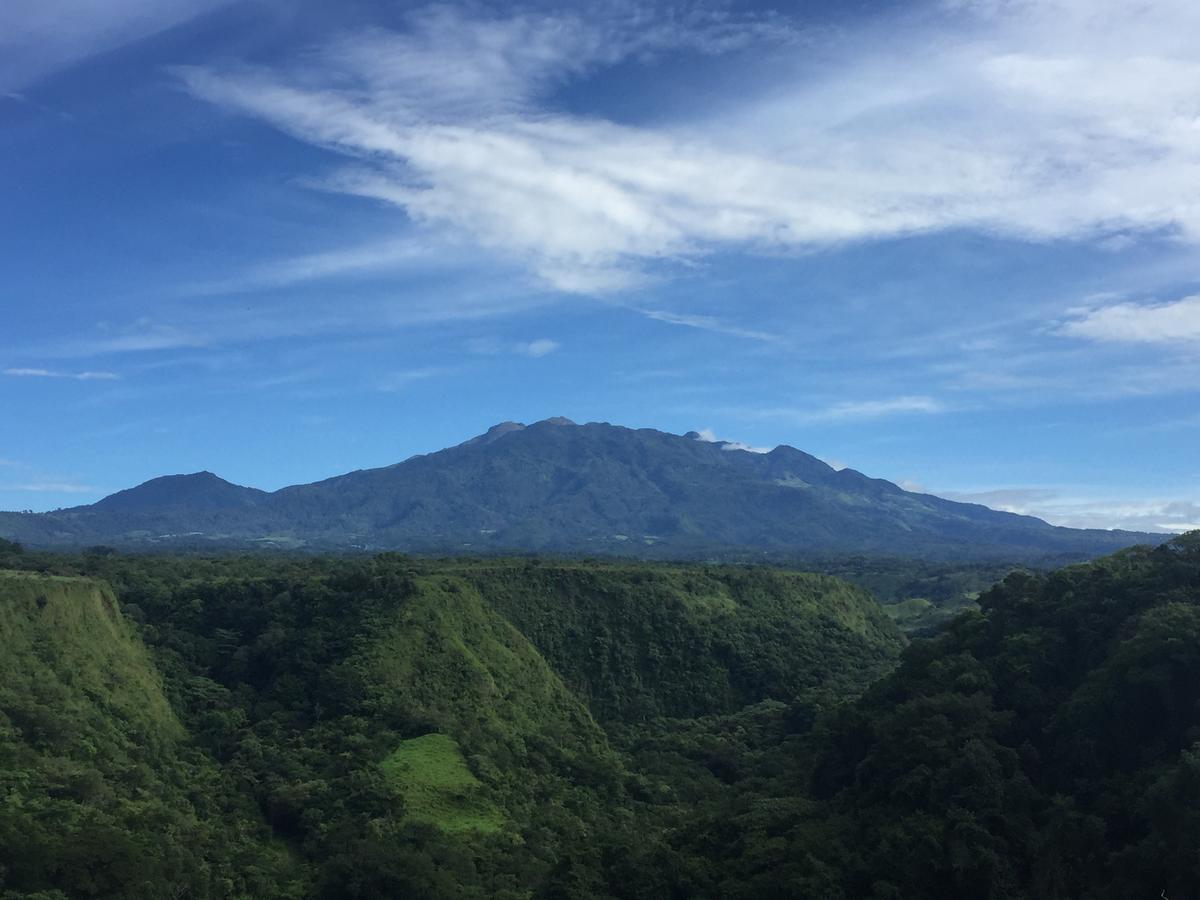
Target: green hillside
x=388 y=727
x=100 y=795
x=641 y=641
x=1047 y=746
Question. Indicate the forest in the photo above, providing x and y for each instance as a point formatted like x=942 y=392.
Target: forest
x=392 y=726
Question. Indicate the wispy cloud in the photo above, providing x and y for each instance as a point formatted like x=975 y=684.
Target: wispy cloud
x=1070 y=508
x=1138 y=323
x=38 y=39
x=141 y=336
x=539 y=348
x=399 y=381
x=709 y=436
x=49 y=487
x=377 y=257
x=709 y=323
x=875 y=409
x=494 y=346
x=847 y=411
x=1052 y=120
x=49 y=373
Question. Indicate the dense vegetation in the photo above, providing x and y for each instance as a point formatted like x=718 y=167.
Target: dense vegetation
x=557 y=487
x=385 y=727
x=1046 y=746
x=379 y=726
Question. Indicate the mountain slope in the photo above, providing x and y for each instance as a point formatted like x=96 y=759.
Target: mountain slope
x=563 y=488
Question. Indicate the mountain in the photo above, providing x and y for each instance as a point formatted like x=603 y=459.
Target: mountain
x=558 y=487
x=201 y=491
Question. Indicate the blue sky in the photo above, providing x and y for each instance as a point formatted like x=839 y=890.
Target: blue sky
x=950 y=244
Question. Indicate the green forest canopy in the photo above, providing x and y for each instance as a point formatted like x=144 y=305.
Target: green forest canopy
x=376 y=727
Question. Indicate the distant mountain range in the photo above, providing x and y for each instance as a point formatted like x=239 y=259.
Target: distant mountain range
x=558 y=487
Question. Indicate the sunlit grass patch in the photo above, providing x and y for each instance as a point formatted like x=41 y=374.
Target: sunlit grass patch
x=432 y=776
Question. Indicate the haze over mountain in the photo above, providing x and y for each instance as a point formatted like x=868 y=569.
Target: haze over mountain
x=555 y=486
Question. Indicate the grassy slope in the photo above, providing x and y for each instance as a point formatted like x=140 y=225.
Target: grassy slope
x=66 y=636
x=93 y=768
x=456 y=668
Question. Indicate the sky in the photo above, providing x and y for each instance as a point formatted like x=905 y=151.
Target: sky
x=953 y=244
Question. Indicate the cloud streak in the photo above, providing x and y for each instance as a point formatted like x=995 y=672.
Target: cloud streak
x=1059 y=508
x=539 y=348
x=49 y=487
x=49 y=373
x=875 y=409
x=38 y=38
x=709 y=323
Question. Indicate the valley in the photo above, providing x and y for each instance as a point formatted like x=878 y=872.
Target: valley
x=250 y=726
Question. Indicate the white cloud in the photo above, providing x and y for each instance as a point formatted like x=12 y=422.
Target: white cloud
x=539 y=348
x=874 y=409
x=1040 y=120
x=1139 y=323
x=494 y=346
x=844 y=411
x=50 y=487
x=48 y=373
x=1074 y=511
x=374 y=257
x=399 y=381
x=709 y=436
x=708 y=323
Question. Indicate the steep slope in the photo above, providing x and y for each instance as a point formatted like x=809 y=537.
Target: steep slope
x=94 y=764
x=559 y=487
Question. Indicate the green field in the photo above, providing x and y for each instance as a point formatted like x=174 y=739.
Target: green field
x=431 y=775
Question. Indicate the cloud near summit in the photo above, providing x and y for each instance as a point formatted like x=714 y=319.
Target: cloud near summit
x=1042 y=121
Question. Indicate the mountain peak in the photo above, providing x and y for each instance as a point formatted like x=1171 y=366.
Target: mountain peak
x=497 y=431
x=197 y=490
x=556 y=420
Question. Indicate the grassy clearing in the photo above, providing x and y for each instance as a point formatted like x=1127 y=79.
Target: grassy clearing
x=432 y=776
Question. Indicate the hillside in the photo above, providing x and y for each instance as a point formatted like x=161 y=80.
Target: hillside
x=557 y=487
x=94 y=763
x=644 y=641
x=1047 y=746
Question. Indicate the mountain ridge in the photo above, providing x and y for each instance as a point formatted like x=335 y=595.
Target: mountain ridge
x=557 y=487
